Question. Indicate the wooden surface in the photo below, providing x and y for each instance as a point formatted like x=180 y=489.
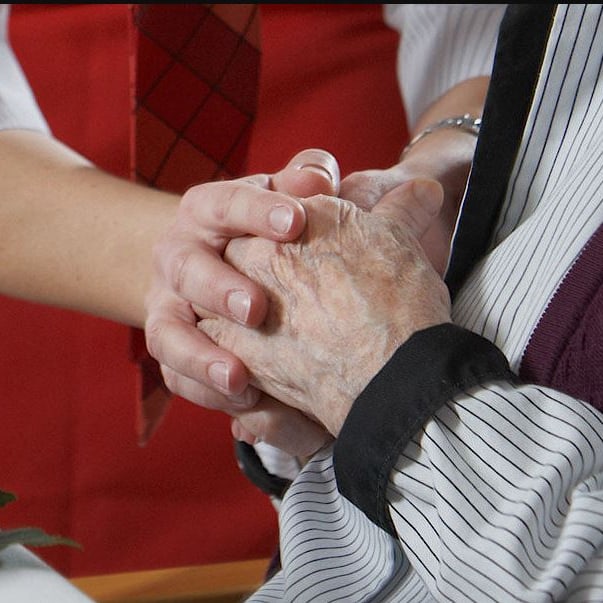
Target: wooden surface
x=218 y=583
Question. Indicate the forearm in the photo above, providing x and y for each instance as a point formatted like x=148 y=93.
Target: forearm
x=441 y=46
x=445 y=59
x=72 y=235
x=446 y=153
x=467 y=97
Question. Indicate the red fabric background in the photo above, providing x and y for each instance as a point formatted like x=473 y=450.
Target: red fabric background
x=68 y=447
x=67 y=386
x=329 y=81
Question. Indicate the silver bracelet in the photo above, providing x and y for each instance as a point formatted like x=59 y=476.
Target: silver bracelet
x=466 y=123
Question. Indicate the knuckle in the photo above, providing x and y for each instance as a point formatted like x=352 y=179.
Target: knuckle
x=194 y=195
x=153 y=336
x=178 y=268
x=224 y=204
x=185 y=369
x=361 y=188
x=220 y=211
x=189 y=366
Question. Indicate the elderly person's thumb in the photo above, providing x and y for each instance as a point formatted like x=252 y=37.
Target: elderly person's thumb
x=310 y=172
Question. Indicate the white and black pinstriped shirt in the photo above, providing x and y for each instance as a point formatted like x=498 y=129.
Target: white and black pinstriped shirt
x=498 y=495
x=485 y=487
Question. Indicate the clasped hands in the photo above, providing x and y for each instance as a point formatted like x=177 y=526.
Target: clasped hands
x=276 y=298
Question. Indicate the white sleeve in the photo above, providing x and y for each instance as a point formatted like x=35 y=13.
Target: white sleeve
x=500 y=497
x=440 y=46
x=18 y=107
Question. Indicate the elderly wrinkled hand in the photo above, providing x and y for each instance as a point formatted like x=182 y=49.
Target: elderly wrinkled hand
x=342 y=298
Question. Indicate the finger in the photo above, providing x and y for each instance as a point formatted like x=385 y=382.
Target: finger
x=186 y=352
x=310 y=172
x=242 y=434
x=198 y=274
x=208 y=397
x=219 y=211
x=415 y=203
x=281 y=426
x=262 y=180
x=189 y=257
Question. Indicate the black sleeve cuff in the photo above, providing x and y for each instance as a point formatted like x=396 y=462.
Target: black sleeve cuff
x=426 y=371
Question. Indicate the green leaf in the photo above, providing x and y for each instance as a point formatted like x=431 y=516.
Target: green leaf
x=29 y=536
x=6 y=497
x=33 y=537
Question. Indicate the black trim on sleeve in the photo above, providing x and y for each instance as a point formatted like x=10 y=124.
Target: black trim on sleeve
x=431 y=367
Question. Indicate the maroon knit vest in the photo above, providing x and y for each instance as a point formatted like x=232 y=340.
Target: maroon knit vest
x=566 y=349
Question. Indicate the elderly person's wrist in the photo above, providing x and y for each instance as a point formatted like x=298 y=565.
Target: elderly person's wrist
x=426 y=372
x=466 y=123
x=441 y=152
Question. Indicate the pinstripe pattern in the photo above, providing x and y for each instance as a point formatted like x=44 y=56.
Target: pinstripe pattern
x=555 y=194
x=500 y=496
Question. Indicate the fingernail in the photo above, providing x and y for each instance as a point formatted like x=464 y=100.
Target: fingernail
x=281 y=219
x=317 y=169
x=218 y=372
x=429 y=194
x=239 y=302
